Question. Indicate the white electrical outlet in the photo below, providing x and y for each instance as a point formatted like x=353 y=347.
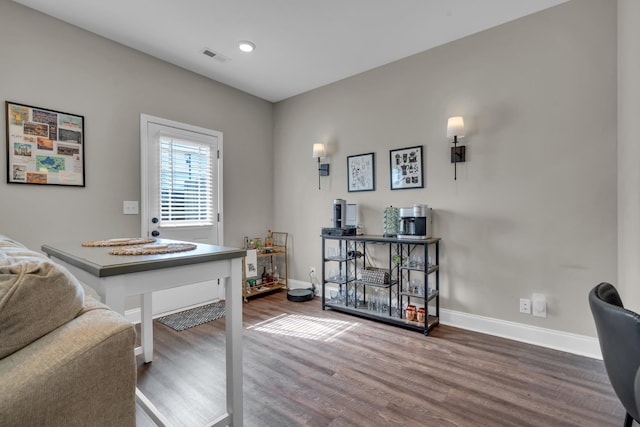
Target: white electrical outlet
x=525 y=306
x=539 y=305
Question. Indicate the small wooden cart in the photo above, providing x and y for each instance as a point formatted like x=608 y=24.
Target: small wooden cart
x=274 y=257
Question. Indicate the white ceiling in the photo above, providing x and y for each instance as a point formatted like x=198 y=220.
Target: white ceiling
x=301 y=44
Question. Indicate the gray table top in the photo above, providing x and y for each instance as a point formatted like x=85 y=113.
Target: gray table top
x=97 y=260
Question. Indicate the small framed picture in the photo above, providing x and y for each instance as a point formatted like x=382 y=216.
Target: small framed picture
x=361 y=172
x=406 y=168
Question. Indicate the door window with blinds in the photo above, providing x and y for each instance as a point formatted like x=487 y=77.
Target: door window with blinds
x=181 y=181
x=185 y=182
x=181 y=197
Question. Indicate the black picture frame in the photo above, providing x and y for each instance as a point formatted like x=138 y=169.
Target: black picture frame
x=44 y=146
x=406 y=168
x=361 y=172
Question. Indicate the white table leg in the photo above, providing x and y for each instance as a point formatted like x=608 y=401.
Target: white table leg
x=114 y=295
x=146 y=327
x=233 y=293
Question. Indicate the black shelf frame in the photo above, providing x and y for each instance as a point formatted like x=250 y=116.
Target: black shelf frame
x=353 y=256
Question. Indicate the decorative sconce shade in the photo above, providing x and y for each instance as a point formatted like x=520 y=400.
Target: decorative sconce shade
x=318 y=151
x=455 y=129
x=323 y=169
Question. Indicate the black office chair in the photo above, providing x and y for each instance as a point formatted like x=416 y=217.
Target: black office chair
x=619 y=335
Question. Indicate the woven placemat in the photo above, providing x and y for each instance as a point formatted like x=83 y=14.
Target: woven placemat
x=153 y=249
x=125 y=241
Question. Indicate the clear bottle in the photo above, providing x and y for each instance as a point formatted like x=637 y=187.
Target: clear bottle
x=268 y=241
x=276 y=274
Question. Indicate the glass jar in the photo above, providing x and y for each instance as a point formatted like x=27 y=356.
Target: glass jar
x=268 y=241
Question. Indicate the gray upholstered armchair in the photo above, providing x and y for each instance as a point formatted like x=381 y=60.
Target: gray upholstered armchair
x=65 y=360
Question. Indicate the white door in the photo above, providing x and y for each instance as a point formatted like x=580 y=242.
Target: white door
x=181 y=195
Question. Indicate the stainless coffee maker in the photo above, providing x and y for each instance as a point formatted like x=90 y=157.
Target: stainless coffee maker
x=415 y=222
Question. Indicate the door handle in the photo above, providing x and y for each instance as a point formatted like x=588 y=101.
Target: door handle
x=154 y=220
x=155 y=233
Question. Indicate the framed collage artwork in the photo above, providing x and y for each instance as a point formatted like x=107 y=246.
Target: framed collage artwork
x=44 y=147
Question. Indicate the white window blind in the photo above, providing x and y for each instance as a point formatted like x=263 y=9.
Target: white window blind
x=186 y=187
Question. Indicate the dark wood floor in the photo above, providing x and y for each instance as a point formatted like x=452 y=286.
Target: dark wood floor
x=308 y=367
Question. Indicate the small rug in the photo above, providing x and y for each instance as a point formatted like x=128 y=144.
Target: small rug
x=194 y=316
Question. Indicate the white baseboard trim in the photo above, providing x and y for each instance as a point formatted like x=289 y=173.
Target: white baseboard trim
x=558 y=340
x=173 y=300
x=134 y=315
x=581 y=345
x=299 y=284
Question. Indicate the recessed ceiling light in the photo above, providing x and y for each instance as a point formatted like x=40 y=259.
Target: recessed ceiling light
x=246 y=46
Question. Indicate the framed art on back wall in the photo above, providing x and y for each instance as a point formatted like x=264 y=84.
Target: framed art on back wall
x=44 y=146
x=406 y=168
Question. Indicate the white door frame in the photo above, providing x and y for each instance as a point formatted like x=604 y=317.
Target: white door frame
x=144 y=153
x=194 y=295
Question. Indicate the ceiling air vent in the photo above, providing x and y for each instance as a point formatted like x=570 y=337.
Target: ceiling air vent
x=215 y=55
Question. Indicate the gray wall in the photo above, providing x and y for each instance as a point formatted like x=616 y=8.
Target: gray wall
x=628 y=152
x=50 y=64
x=534 y=207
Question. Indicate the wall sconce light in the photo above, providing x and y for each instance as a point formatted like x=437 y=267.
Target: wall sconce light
x=323 y=169
x=455 y=129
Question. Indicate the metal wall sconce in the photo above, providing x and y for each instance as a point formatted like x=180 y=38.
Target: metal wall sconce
x=455 y=129
x=323 y=169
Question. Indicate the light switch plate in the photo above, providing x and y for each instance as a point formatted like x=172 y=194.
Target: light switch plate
x=130 y=207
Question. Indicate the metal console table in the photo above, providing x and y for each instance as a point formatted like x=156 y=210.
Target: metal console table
x=408 y=274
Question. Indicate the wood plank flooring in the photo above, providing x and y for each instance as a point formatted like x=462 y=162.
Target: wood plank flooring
x=308 y=367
